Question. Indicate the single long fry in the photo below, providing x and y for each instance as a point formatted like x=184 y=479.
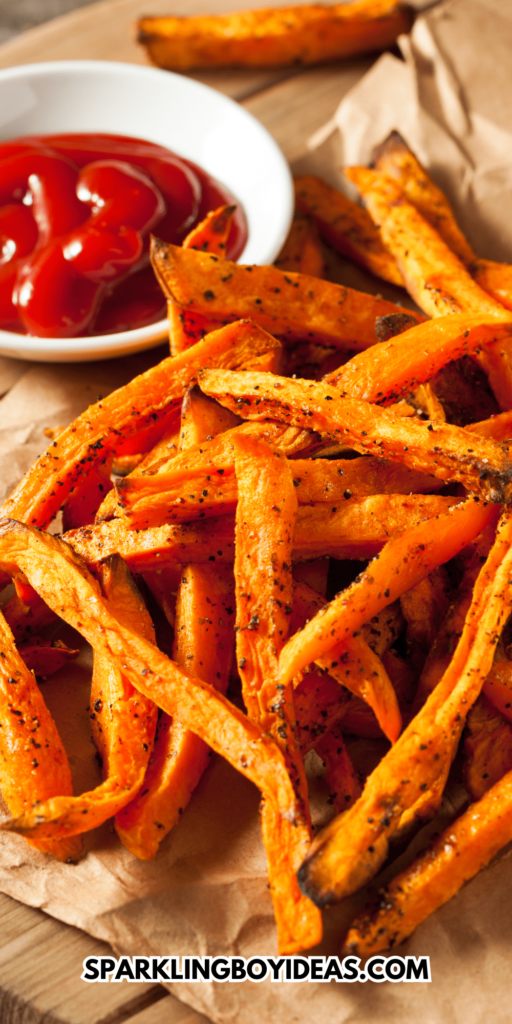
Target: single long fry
x=347 y=227
x=385 y=372
x=202 y=419
x=356 y=529
x=33 y=763
x=320 y=702
x=200 y=491
x=273 y=38
x=448 y=452
x=42 y=491
x=266 y=511
x=437 y=874
x=350 y=850
x=405 y=559
x=203 y=646
x=123 y=721
x=291 y=306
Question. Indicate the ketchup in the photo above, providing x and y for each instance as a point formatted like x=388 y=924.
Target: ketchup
x=76 y=212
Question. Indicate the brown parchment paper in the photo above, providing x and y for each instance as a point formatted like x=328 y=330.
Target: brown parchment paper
x=206 y=891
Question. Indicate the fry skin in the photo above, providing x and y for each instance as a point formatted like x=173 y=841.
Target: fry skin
x=345 y=226
x=177 y=496
x=33 y=763
x=204 y=646
x=265 y=517
x=357 y=529
x=271 y=38
x=211 y=235
x=437 y=874
x=352 y=847
x=291 y=306
x=448 y=452
x=385 y=372
x=123 y=723
x=487 y=748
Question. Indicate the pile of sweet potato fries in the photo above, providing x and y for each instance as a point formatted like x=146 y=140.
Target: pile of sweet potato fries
x=301 y=436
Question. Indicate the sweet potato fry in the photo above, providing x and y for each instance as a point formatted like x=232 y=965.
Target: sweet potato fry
x=498 y=686
x=188 y=494
x=345 y=226
x=273 y=38
x=385 y=372
x=419 y=762
x=87 y=495
x=395 y=159
x=357 y=529
x=33 y=763
x=62 y=580
x=320 y=702
x=405 y=559
x=433 y=275
x=26 y=613
x=123 y=722
x=448 y=452
x=487 y=748
x=437 y=874
x=302 y=251
x=291 y=306
x=424 y=608
x=265 y=517
x=211 y=235
x=45 y=487
x=203 y=645
x=340 y=774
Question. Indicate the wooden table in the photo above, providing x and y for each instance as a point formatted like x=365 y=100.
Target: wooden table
x=291 y=105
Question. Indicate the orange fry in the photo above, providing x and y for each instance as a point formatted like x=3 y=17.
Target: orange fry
x=266 y=511
x=448 y=452
x=62 y=580
x=357 y=529
x=385 y=372
x=291 y=306
x=203 y=646
x=437 y=874
x=123 y=721
x=33 y=763
x=344 y=225
x=274 y=38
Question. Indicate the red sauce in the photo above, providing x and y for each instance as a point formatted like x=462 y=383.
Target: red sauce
x=75 y=216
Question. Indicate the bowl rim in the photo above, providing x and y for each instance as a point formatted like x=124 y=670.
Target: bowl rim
x=106 y=346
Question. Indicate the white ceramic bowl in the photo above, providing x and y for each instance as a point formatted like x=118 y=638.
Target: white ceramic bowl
x=191 y=119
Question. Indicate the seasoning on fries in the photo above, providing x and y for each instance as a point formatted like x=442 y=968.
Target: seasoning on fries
x=220 y=477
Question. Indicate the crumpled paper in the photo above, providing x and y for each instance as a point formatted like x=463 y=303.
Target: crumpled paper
x=206 y=891
x=451 y=100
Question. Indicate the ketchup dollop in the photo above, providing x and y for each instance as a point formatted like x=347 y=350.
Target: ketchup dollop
x=75 y=216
